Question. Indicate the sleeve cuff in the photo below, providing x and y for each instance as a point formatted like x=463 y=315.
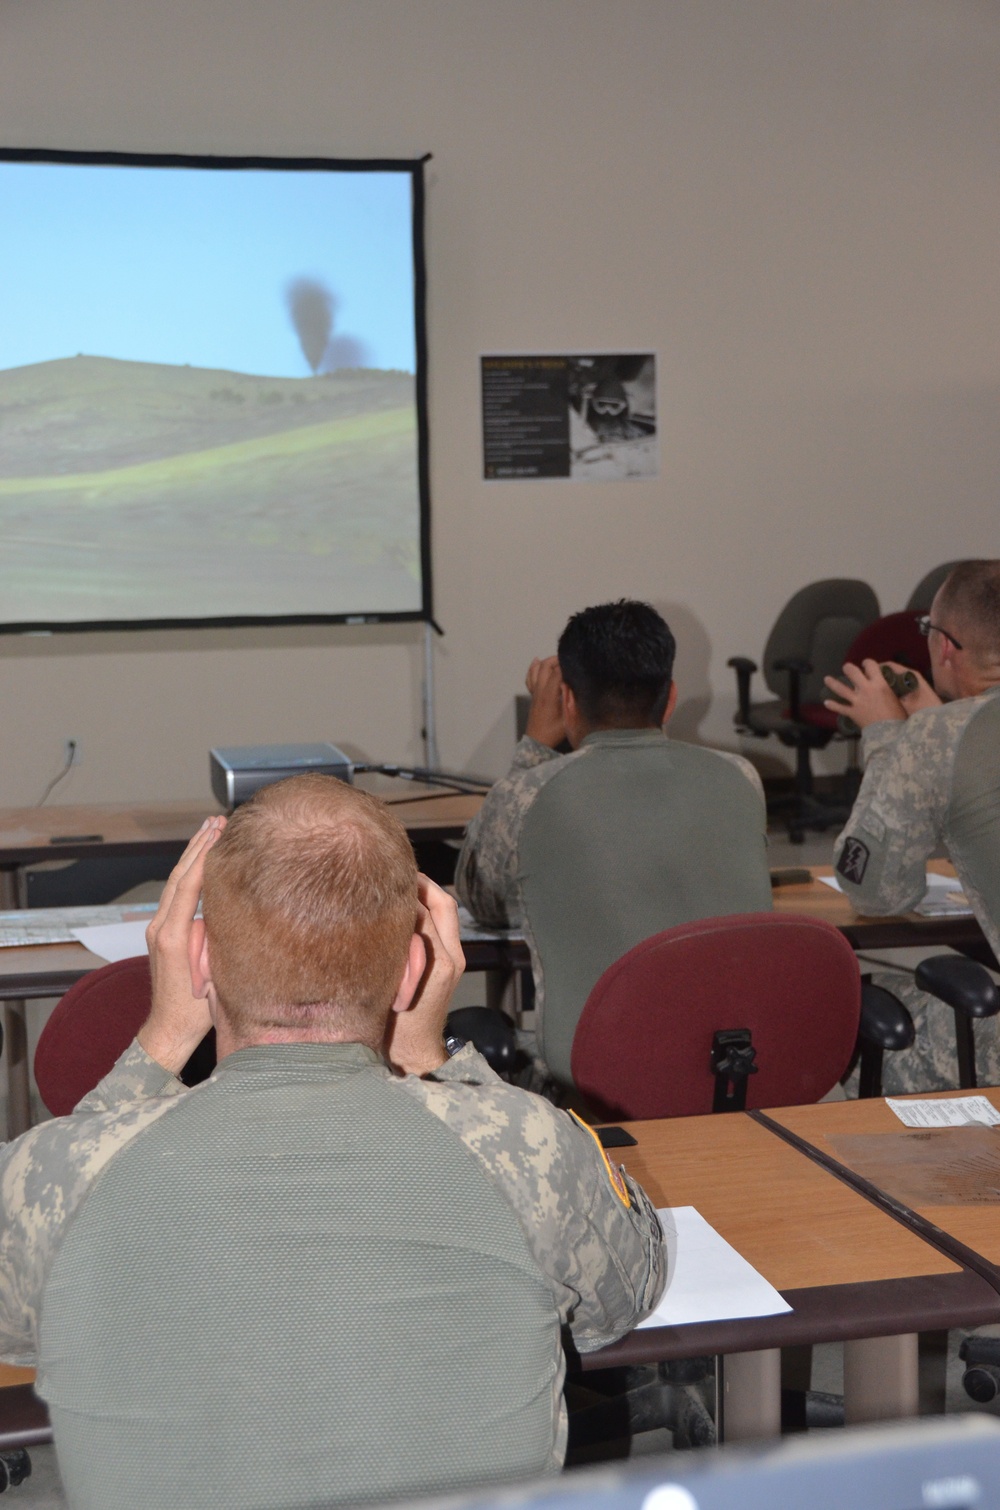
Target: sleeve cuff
x=529 y=752
x=467 y=1066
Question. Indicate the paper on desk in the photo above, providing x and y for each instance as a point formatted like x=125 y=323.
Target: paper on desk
x=114 y=941
x=55 y=925
x=944 y=896
x=956 y=1111
x=707 y=1280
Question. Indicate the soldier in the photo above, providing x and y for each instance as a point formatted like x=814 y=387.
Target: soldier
x=323 y=954
x=932 y=780
x=629 y=834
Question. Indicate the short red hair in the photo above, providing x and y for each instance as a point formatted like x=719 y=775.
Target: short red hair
x=310 y=902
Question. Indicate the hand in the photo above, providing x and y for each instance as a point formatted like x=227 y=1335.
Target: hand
x=922 y=696
x=178 y=1020
x=865 y=696
x=545 y=718
x=414 y=1043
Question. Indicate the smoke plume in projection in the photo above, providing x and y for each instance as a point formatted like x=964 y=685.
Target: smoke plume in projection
x=313 y=310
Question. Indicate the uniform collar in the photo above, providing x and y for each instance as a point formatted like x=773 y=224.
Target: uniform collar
x=299 y=1056
x=624 y=737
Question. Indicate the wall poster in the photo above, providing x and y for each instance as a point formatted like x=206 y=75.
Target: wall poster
x=590 y=418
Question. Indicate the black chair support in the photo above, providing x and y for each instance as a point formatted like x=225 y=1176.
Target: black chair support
x=886 y=1026
x=971 y=992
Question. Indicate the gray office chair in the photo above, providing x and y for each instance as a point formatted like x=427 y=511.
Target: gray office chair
x=264 y=1301
x=922 y=596
x=810 y=640
x=604 y=863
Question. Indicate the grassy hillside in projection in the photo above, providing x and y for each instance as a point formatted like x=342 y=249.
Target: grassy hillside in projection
x=133 y=490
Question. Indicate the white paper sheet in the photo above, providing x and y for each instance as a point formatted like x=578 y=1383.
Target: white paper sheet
x=956 y=1111
x=707 y=1279
x=114 y=941
x=55 y=925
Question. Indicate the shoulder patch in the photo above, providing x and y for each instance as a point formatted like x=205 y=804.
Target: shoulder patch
x=853 y=861
x=618 y=1184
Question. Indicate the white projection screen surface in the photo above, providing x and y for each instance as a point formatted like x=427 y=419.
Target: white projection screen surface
x=212 y=401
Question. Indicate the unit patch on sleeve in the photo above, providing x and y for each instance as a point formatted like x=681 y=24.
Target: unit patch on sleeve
x=853 y=861
x=616 y=1177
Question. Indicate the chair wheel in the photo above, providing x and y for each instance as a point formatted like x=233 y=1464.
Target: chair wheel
x=982 y=1383
x=15 y=1467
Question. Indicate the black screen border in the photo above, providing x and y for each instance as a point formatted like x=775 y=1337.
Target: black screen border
x=415 y=168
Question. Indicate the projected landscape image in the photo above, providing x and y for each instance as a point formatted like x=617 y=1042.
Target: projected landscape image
x=217 y=416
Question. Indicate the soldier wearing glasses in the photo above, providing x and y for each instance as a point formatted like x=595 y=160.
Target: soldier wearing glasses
x=932 y=763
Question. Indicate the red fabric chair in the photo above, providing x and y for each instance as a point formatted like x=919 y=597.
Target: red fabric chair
x=894 y=637
x=92 y=1024
x=643 y=1047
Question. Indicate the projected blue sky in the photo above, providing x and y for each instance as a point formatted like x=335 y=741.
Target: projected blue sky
x=191 y=266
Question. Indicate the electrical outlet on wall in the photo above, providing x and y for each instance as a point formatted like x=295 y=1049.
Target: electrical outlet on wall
x=72 y=753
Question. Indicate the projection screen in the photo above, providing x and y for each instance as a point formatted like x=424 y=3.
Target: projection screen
x=212 y=391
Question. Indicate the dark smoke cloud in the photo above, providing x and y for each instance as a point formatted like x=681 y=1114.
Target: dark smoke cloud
x=313 y=309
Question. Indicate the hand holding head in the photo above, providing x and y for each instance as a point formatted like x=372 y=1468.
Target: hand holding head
x=414 y=1043
x=178 y=1019
x=546 y=718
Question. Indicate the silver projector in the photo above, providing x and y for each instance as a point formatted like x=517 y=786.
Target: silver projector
x=239 y=772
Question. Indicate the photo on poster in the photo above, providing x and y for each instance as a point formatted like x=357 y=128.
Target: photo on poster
x=585 y=417
x=612 y=417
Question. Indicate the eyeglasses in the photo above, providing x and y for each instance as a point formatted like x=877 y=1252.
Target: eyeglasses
x=925 y=626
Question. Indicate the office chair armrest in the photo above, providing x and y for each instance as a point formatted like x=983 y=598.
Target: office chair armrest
x=885 y=1021
x=964 y=985
x=744 y=669
x=885 y=1027
x=797 y=668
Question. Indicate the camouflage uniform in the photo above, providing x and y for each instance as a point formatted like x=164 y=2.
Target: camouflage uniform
x=592 y=1231
x=486 y=876
x=931 y=783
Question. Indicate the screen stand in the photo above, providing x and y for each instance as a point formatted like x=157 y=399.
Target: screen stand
x=431 y=758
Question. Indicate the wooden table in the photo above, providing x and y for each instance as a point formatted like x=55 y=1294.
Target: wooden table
x=969 y=1230
x=852 y=1272
x=906 y=931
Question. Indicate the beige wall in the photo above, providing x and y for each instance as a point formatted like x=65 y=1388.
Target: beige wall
x=795 y=204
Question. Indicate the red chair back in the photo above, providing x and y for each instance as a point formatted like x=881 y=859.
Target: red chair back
x=93 y=1023
x=644 y=1042
x=893 y=638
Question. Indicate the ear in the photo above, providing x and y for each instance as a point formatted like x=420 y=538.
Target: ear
x=201 y=969
x=570 y=710
x=416 y=964
x=671 y=703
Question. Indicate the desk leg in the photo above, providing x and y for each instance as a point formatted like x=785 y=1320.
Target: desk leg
x=749 y=1396
x=18 y=1075
x=880 y=1379
x=499 y=986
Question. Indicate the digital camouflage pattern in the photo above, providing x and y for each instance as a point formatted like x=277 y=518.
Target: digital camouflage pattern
x=919 y=798
x=605 y=1260
x=904 y=812
x=486 y=874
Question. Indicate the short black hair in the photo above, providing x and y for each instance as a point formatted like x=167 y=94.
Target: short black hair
x=618 y=660
x=971 y=594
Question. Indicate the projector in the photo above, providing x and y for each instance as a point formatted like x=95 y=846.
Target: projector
x=239 y=772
